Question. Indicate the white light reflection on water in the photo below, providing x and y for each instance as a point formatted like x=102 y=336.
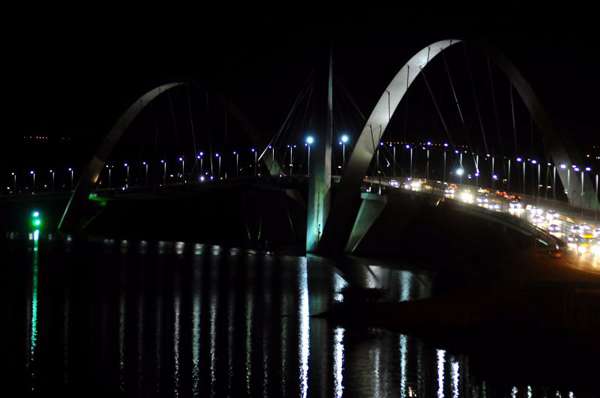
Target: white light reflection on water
x=403 y=363
x=158 y=341
x=33 y=332
x=514 y=392
x=405 y=285
x=248 y=335
x=529 y=392
x=338 y=361
x=140 y=342
x=455 y=378
x=176 y=341
x=196 y=306
x=266 y=335
x=230 y=338
x=441 y=362
x=122 y=309
x=212 y=327
x=304 y=338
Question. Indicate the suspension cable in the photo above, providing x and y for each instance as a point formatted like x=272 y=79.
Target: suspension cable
x=460 y=115
x=172 y=111
x=304 y=91
x=192 y=130
x=476 y=100
x=512 y=110
x=489 y=67
x=346 y=92
x=437 y=108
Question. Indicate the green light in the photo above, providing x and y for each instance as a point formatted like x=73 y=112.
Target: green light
x=36 y=219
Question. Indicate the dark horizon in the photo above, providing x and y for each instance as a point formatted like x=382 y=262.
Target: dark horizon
x=74 y=76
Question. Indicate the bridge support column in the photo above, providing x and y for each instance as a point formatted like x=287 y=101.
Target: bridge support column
x=371 y=207
x=319 y=182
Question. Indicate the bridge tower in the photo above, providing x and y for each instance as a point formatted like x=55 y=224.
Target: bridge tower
x=319 y=182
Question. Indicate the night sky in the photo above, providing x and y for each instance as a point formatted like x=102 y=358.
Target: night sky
x=70 y=72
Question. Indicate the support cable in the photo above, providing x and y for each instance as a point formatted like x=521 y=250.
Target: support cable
x=489 y=68
x=437 y=108
x=514 y=124
x=476 y=101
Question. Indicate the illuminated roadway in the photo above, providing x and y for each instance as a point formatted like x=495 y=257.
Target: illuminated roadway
x=578 y=236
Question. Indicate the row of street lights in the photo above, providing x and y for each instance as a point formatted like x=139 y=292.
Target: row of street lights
x=33 y=174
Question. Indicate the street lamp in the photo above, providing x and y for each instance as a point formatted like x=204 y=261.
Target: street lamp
x=200 y=157
x=535 y=162
x=145 y=164
x=344 y=140
x=109 y=167
x=460 y=172
x=520 y=160
x=237 y=163
x=427 y=159
x=182 y=160
x=444 y=172
x=309 y=141
x=164 y=177
x=219 y=166
x=52 y=178
x=32 y=173
x=407 y=146
x=255 y=160
x=70 y=170
x=126 y=165
x=14 y=175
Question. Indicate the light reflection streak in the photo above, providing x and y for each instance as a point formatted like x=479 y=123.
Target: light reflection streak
x=33 y=333
x=176 y=341
x=140 y=341
x=196 y=306
x=403 y=363
x=230 y=336
x=455 y=378
x=441 y=361
x=338 y=361
x=158 y=341
x=212 y=311
x=405 y=285
x=529 y=392
x=248 y=335
x=304 y=340
x=122 y=309
x=514 y=392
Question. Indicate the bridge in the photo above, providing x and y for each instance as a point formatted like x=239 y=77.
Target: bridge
x=339 y=213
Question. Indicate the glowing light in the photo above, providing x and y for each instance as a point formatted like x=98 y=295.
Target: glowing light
x=563 y=166
x=495 y=177
x=441 y=360
x=588 y=169
x=519 y=159
x=345 y=138
x=460 y=171
x=466 y=197
x=36 y=219
x=310 y=140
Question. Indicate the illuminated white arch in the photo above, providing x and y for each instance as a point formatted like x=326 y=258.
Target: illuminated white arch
x=91 y=173
x=347 y=193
